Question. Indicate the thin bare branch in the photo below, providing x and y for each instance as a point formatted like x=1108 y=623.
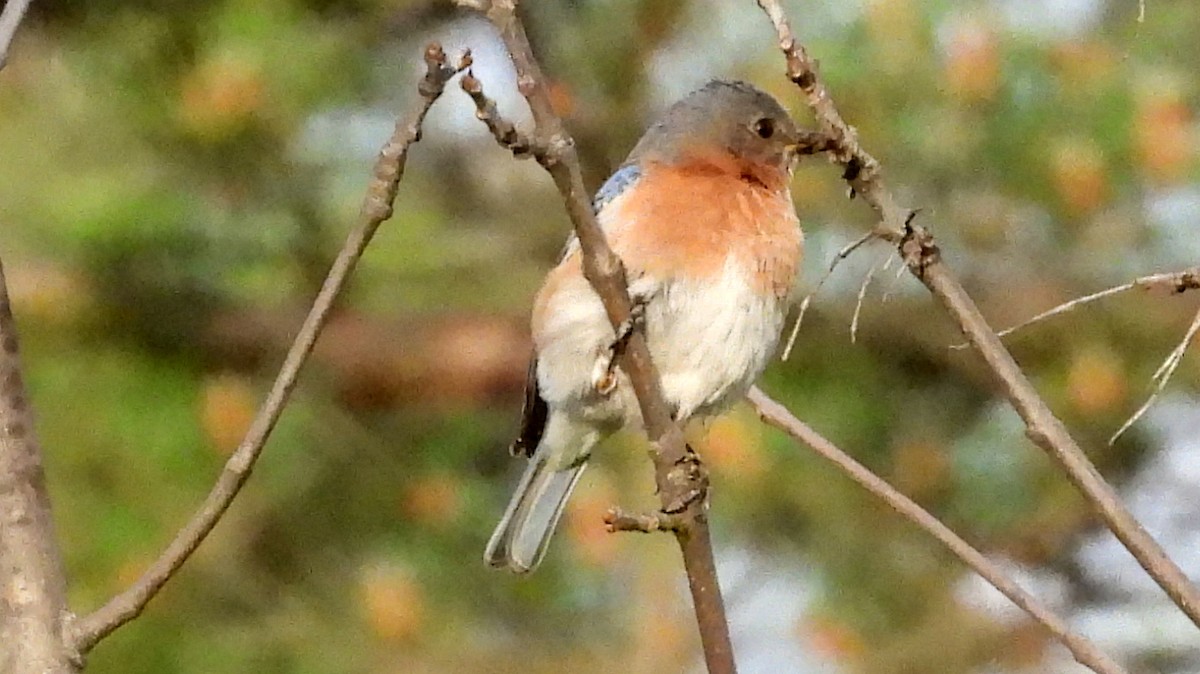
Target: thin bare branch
x=376 y=207
x=1042 y=426
x=1171 y=282
x=859 y=169
x=33 y=585
x=842 y=254
x=10 y=20
x=923 y=259
x=1061 y=309
x=887 y=292
x=787 y=350
x=504 y=131
x=1081 y=648
x=862 y=297
x=681 y=478
x=1161 y=376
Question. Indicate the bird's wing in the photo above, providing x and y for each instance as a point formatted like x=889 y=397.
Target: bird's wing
x=534 y=411
x=621 y=179
x=533 y=416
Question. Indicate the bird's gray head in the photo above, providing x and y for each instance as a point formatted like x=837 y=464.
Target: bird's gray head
x=729 y=117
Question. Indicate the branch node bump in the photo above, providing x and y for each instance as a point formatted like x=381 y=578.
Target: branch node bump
x=918 y=248
x=465 y=60
x=689 y=483
x=617 y=519
x=853 y=169
x=526 y=85
x=1189 y=280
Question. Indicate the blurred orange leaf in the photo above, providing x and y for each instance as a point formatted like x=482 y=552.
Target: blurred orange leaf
x=1163 y=134
x=227 y=407
x=831 y=638
x=585 y=519
x=433 y=499
x=1080 y=175
x=217 y=98
x=972 y=66
x=1096 y=381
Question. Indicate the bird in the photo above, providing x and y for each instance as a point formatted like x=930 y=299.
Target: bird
x=701 y=215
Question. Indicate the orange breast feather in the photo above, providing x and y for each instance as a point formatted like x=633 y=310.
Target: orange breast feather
x=686 y=221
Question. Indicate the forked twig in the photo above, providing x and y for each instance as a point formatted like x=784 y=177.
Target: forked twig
x=377 y=207
x=862 y=296
x=841 y=255
x=1173 y=283
x=504 y=131
x=1161 y=376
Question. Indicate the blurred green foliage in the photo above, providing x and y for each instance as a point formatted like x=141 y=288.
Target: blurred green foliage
x=177 y=178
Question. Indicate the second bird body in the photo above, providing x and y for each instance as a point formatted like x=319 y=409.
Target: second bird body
x=702 y=218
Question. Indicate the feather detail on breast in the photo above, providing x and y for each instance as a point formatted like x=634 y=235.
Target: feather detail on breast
x=692 y=218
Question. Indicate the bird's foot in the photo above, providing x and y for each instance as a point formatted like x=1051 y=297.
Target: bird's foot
x=604 y=375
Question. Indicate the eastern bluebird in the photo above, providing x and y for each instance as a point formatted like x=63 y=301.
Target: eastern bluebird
x=701 y=215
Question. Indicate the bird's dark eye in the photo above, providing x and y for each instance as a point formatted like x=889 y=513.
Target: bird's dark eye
x=765 y=127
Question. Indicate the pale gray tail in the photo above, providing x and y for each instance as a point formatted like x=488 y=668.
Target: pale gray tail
x=520 y=539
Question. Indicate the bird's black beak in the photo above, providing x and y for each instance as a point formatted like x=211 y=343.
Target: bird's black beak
x=791 y=155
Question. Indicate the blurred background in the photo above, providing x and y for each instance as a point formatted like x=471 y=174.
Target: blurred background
x=177 y=176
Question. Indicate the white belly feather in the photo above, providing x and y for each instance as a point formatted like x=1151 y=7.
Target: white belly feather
x=709 y=341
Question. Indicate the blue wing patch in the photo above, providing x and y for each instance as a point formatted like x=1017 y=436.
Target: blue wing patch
x=617 y=183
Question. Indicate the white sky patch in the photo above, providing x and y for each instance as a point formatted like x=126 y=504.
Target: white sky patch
x=1052 y=19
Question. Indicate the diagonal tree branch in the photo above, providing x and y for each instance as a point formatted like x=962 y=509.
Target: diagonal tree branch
x=1045 y=429
x=1174 y=283
x=860 y=169
x=33 y=604
x=376 y=208
x=1081 y=648
x=10 y=20
x=681 y=479
x=924 y=261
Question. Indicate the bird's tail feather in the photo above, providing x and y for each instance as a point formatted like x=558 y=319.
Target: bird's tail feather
x=520 y=539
